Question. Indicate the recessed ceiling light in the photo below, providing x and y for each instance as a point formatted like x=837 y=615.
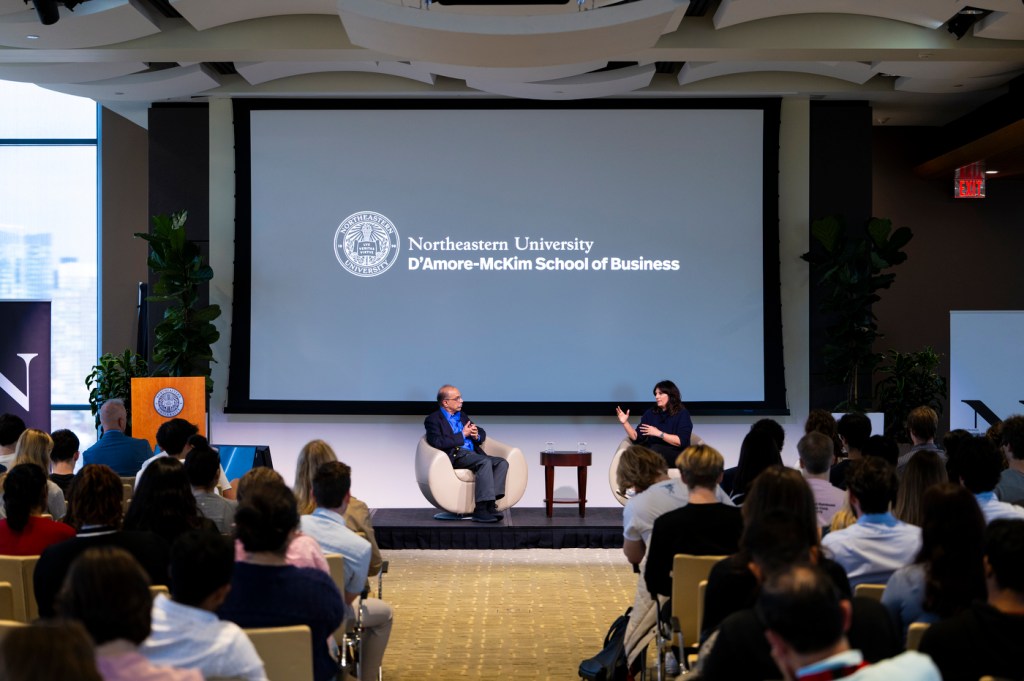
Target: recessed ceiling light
x=31 y=37
x=991 y=172
x=971 y=11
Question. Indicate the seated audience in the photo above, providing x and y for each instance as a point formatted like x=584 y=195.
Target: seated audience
x=822 y=421
x=63 y=458
x=186 y=632
x=816 y=457
x=774 y=430
x=978 y=464
x=268 y=592
x=164 y=503
x=108 y=592
x=925 y=470
x=1011 y=482
x=704 y=526
x=758 y=451
x=326 y=524
x=806 y=622
x=878 y=544
x=946 y=575
x=34 y=447
x=883 y=447
x=984 y=640
x=854 y=430
x=202 y=466
x=123 y=453
x=96 y=507
x=953 y=442
x=176 y=438
x=49 y=649
x=24 y=532
x=922 y=424
x=11 y=428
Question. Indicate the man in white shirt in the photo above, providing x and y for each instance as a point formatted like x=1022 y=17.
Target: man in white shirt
x=172 y=437
x=331 y=488
x=185 y=632
x=978 y=464
x=816 y=457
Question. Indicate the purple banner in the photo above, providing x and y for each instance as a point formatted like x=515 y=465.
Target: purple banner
x=25 y=361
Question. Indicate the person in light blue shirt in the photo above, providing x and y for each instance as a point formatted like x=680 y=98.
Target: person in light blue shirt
x=878 y=544
x=978 y=465
x=332 y=490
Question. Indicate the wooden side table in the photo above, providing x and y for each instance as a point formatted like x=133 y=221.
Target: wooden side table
x=552 y=459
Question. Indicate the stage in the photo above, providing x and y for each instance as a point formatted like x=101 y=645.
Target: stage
x=521 y=528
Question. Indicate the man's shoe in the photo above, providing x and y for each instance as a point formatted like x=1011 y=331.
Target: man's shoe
x=483 y=517
x=492 y=508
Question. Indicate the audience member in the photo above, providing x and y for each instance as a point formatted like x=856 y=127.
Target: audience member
x=774 y=429
x=49 y=649
x=926 y=469
x=806 y=623
x=979 y=464
x=1011 y=482
x=326 y=524
x=883 y=447
x=63 y=458
x=33 y=447
x=854 y=430
x=97 y=497
x=11 y=428
x=947 y=573
x=922 y=425
x=268 y=592
x=984 y=640
x=164 y=503
x=123 y=453
x=758 y=452
x=186 y=632
x=357 y=514
x=176 y=438
x=822 y=421
x=877 y=544
x=953 y=443
x=703 y=527
x=24 y=532
x=202 y=466
x=108 y=592
x=816 y=457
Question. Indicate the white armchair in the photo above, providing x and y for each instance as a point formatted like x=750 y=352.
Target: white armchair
x=673 y=472
x=452 y=490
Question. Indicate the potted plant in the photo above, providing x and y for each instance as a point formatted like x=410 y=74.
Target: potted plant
x=909 y=380
x=186 y=333
x=849 y=271
x=111 y=377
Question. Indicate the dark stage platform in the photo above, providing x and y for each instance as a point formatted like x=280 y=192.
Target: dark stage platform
x=522 y=528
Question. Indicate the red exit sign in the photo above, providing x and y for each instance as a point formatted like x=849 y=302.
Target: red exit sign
x=969 y=181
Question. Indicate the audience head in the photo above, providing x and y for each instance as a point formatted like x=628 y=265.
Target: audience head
x=48 y=649
x=97 y=498
x=922 y=423
x=172 y=436
x=884 y=447
x=952 y=541
x=675 y=399
x=202 y=464
x=1004 y=555
x=34 y=446
x=953 y=442
x=24 y=494
x=773 y=428
x=113 y=415
x=854 y=430
x=872 y=485
x=256 y=477
x=924 y=470
x=777 y=539
x=108 y=592
x=802 y=612
x=783 y=488
x=331 y=484
x=758 y=451
x=266 y=518
x=11 y=428
x=65 y=446
x=163 y=501
x=313 y=454
x=201 y=567
x=816 y=453
x=978 y=465
x=638 y=468
x=701 y=466
x=1011 y=437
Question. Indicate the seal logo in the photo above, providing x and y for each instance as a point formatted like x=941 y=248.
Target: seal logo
x=168 y=402
x=366 y=244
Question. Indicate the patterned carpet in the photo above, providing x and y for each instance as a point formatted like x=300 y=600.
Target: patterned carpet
x=524 y=614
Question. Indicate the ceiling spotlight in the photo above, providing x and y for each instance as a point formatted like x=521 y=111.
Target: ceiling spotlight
x=962 y=21
x=48 y=10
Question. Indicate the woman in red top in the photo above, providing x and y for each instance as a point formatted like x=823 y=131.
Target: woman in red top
x=24 y=532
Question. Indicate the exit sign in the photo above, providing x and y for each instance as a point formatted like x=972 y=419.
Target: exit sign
x=969 y=181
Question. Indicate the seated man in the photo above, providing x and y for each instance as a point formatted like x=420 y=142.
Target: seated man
x=816 y=459
x=63 y=458
x=878 y=544
x=1011 y=482
x=854 y=429
x=922 y=424
x=983 y=640
x=202 y=466
x=121 y=452
x=978 y=464
x=11 y=428
x=331 y=485
x=186 y=633
x=176 y=438
x=462 y=440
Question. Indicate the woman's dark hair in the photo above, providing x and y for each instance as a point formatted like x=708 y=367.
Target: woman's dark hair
x=884 y=447
x=675 y=400
x=952 y=546
x=757 y=453
x=202 y=464
x=163 y=502
x=24 y=492
x=266 y=517
x=781 y=488
x=97 y=495
x=48 y=649
x=108 y=592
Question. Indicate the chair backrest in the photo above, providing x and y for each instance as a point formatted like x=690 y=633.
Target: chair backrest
x=155 y=589
x=7 y=625
x=687 y=574
x=915 y=633
x=287 y=652
x=6 y=601
x=872 y=591
x=613 y=479
x=702 y=588
x=18 y=571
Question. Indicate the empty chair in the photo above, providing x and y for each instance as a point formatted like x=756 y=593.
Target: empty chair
x=286 y=651
x=18 y=571
x=452 y=490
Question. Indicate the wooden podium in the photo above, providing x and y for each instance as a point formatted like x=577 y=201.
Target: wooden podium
x=160 y=399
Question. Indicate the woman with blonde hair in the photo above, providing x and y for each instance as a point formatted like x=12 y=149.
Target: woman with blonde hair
x=34 y=446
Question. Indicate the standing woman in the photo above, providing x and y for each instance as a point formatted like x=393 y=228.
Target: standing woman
x=665 y=428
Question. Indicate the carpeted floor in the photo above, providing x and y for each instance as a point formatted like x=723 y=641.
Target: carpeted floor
x=522 y=614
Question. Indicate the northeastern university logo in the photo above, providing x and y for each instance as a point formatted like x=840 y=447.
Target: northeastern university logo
x=366 y=244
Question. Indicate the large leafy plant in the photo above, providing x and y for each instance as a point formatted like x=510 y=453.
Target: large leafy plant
x=112 y=377
x=849 y=271
x=186 y=333
x=909 y=380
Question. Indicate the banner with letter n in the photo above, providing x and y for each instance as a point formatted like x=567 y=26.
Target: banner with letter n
x=159 y=399
x=25 y=361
